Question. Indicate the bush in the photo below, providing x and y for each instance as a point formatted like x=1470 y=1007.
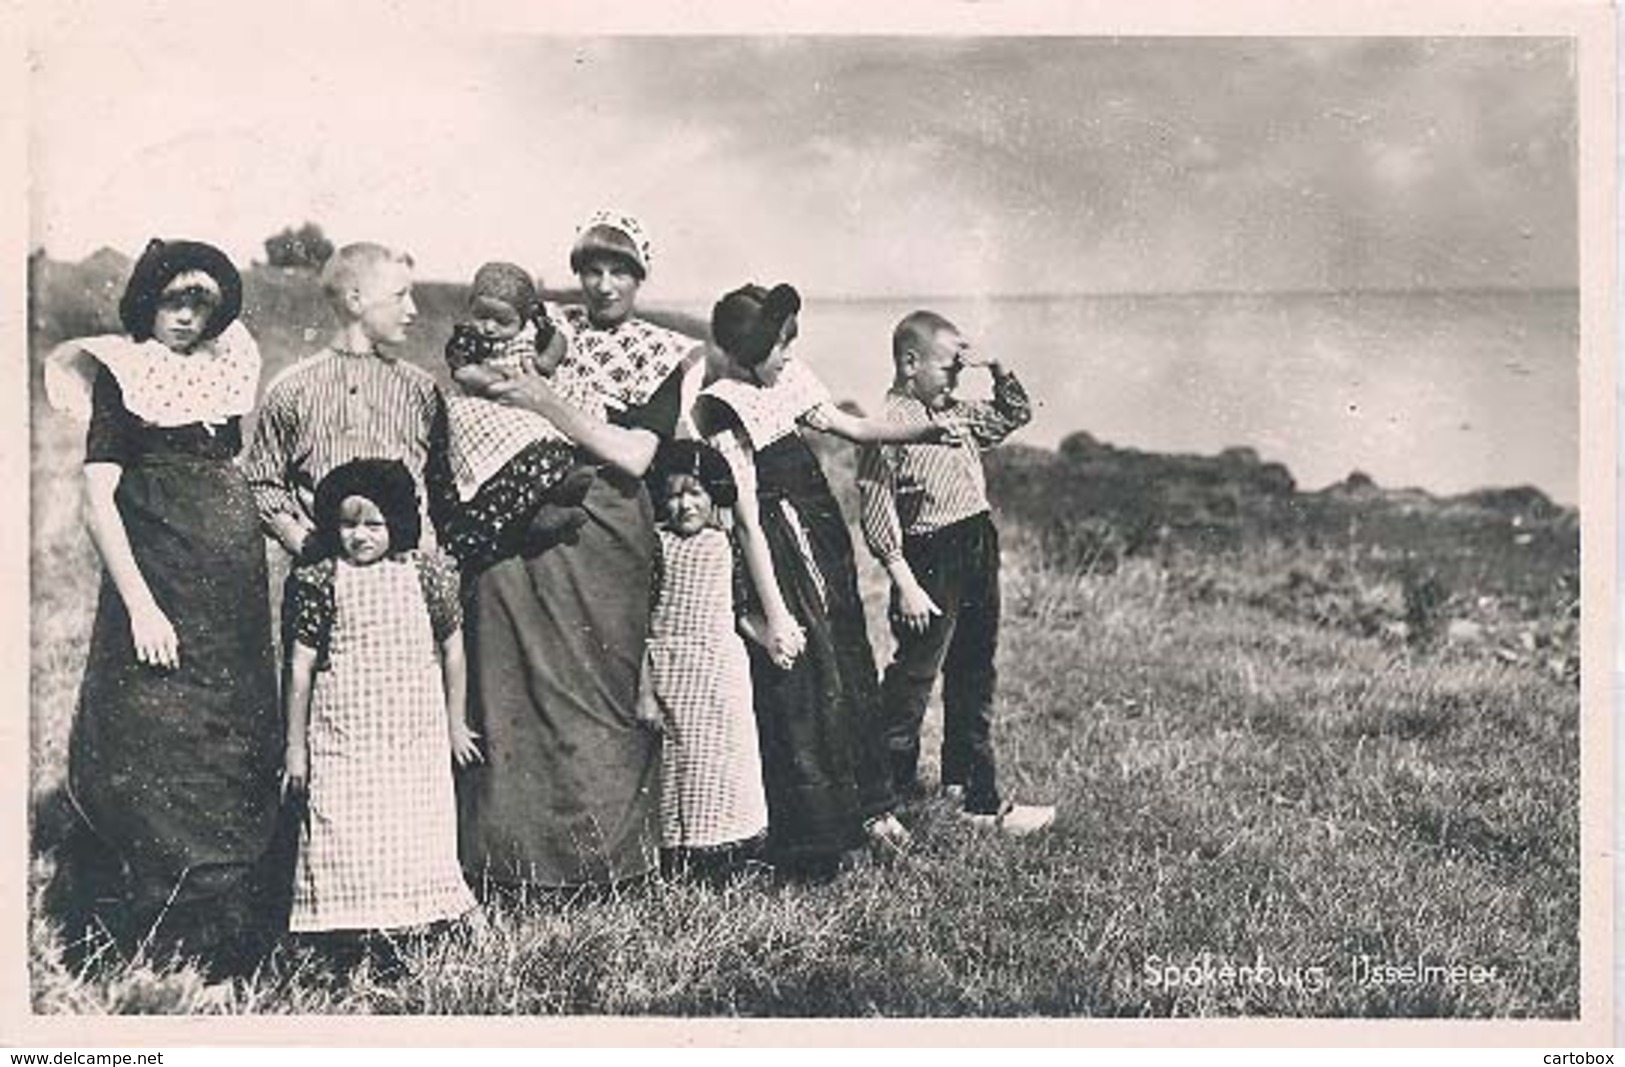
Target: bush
x=306 y=248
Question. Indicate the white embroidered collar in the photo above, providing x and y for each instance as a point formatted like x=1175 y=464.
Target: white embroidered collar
x=216 y=381
x=768 y=413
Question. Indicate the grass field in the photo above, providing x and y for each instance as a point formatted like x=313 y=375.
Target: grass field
x=1238 y=785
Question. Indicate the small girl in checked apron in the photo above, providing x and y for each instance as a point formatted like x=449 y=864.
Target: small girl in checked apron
x=712 y=807
x=375 y=707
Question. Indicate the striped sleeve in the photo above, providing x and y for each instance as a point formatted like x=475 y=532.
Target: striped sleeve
x=330 y=409
x=989 y=422
x=877 y=483
x=265 y=464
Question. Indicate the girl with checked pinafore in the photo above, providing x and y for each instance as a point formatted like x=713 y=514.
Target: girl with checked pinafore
x=375 y=709
x=713 y=812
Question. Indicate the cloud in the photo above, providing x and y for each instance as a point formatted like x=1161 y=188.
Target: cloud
x=850 y=164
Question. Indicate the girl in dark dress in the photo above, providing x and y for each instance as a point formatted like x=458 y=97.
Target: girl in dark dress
x=817 y=697
x=173 y=759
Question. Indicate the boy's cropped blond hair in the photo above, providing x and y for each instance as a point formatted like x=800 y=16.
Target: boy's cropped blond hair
x=917 y=330
x=345 y=268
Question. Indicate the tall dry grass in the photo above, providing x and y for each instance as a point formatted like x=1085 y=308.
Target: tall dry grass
x=1230 y=784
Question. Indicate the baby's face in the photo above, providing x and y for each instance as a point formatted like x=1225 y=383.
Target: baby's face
x=495 y=319
x=686 y=504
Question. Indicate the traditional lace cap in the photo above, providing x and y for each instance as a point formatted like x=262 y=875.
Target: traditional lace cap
x=616 y=233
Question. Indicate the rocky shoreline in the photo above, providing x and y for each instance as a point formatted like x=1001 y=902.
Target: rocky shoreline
x=1493 y=571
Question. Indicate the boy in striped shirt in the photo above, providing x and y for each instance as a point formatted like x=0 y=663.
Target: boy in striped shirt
x=926 y=517
x=353 y=399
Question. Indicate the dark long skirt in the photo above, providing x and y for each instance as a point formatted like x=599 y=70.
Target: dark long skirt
x=823 y=755
x=567 y=795
x=174 y=773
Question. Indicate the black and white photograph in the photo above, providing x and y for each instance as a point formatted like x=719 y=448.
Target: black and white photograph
x=984 y=519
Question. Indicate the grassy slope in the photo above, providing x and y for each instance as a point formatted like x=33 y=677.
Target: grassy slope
x=1229 y=784
x=1231 y=781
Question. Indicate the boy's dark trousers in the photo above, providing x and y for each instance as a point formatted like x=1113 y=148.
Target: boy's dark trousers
x=958 y=566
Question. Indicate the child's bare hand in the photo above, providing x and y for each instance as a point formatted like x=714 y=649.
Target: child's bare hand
x=295 y=772
x=914 y=608
x=786 y=640
x=969 y=357
x=154 y=638
x=464 y=751
x=650 y=714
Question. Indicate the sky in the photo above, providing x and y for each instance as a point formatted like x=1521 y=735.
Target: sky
x=851 y=166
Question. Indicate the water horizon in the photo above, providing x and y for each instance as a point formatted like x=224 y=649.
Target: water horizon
x=1443 y=390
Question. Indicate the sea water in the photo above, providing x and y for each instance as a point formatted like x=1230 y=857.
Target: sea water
x=1447 y=391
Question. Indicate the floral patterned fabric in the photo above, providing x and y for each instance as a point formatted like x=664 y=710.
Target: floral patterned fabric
x=313 y=605
x=626 y=364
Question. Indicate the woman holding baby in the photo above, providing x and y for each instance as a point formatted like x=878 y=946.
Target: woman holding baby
x=567 y=795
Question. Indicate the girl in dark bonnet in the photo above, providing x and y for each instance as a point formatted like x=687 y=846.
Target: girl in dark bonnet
x=713 y=812
x=816 y=694
x=173 y=756
x=375 y=704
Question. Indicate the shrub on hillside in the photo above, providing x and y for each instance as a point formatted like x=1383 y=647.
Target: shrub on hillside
x=76 y=299
x=305 y=248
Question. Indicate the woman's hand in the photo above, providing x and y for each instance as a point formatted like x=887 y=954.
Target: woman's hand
x=154 y=637
x=628 y=448
x=464 y=752
x=526 y=391
x=970 y=358
x=786 y=641
x=525 y=388
x=295 y=771
x=477 y=379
